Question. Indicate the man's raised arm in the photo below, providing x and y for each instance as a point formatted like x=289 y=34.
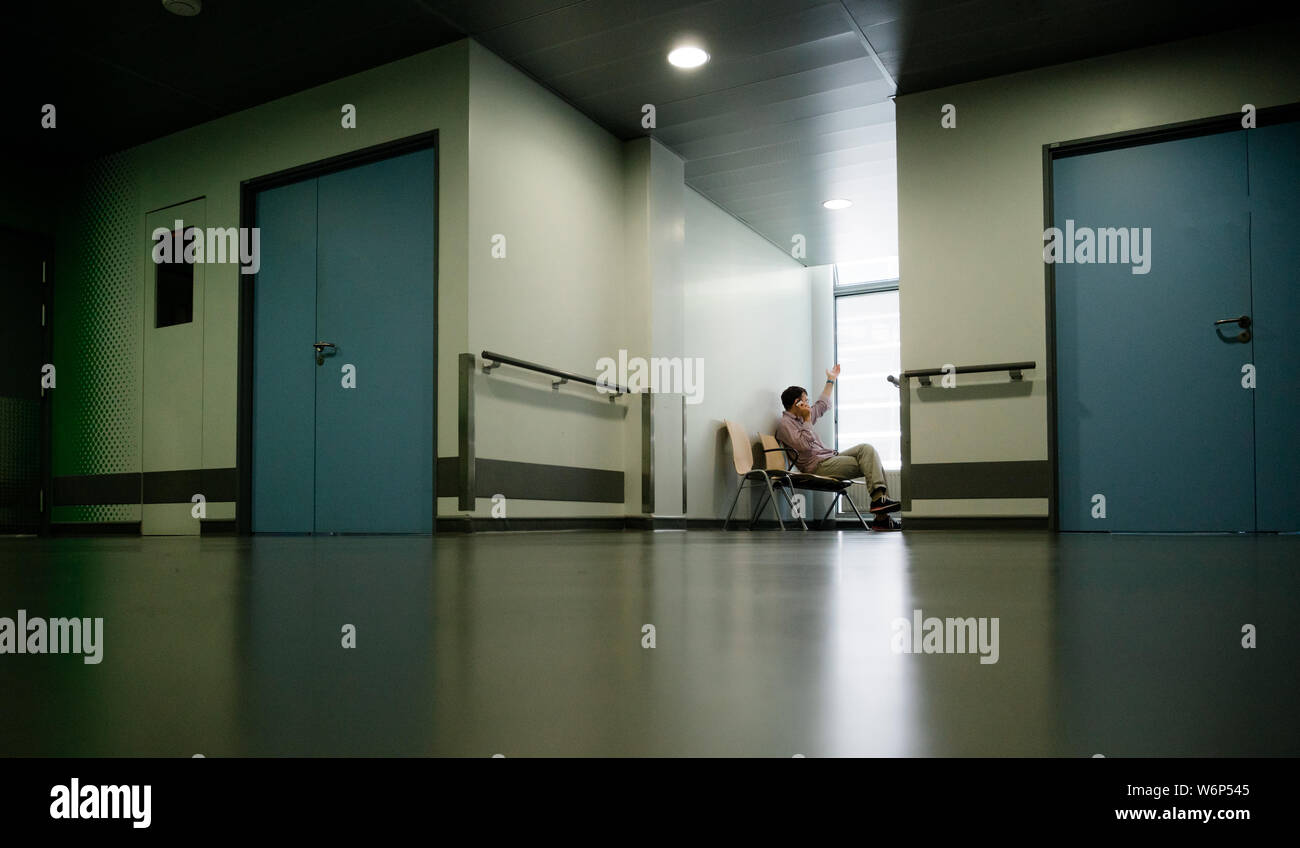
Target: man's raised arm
x=824 y=402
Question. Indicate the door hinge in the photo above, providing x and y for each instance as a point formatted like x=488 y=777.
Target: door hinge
x=42 y=270
x=42 y=500
x=42 y=315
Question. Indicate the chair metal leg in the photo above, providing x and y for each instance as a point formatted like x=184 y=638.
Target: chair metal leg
x=848 y=498
x=758 y=510
x=783 y=485
x=775 y=509
x=734 y=501
x=835 y=500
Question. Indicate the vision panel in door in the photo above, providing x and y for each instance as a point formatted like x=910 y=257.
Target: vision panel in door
x=374 y=392
x=1275 y=270
x=1151 y=413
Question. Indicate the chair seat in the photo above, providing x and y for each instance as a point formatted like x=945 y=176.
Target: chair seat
x=818 y=482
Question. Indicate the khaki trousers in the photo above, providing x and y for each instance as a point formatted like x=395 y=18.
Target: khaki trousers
x=857 y=461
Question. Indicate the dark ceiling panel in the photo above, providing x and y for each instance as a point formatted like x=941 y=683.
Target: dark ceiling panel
x=934 y=43
x=530 y=38
x=642 y=25
x=728 y=29
x=871 y=12
x=481 y=16
x=747 y=99
x=810 y=146
x=839 y=167
x=738 y=84
x=865 y=100
x=123 y=73
x=792 y=174
x=843 y=126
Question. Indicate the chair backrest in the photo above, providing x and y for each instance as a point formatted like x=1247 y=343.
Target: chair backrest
x=742 y=449
x=773 y=453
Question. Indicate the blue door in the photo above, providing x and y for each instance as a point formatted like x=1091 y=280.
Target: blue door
x=1177 y=398
x=343 y=435
x=1154 y=428
x=1275 y=271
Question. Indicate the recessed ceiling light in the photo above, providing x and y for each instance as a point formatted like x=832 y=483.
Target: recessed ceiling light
x=688 y=57
x=838 y=203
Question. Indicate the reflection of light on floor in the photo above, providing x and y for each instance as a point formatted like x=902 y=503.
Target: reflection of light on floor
x=873 y=698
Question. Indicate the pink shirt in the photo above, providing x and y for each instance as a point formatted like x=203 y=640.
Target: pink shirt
x=798 y=434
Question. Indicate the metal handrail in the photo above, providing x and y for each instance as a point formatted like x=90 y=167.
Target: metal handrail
x=1016 y=369
x=498 y=359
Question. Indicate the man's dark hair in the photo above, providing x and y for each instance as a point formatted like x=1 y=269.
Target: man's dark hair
x=790 y=395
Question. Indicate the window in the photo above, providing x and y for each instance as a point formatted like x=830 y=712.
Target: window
x=867 y=348
x=174 y=290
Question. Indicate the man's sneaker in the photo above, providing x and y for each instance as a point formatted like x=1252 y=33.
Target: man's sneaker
x=884 y=521
x=885 y=505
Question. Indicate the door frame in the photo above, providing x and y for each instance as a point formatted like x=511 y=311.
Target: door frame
x=47 y=243
x=1230 y=122
x=44 y=243
x=248 y=191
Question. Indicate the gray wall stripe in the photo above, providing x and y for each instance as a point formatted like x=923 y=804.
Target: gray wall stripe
x=940 y=480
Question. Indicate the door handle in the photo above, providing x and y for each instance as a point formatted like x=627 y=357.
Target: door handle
x=320 y=351
x=1243 y=322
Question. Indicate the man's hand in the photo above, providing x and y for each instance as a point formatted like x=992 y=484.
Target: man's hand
x=834 y=372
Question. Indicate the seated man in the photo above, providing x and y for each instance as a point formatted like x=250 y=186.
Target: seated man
x=813 y=457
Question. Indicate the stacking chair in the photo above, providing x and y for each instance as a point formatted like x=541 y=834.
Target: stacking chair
x=782 y=457
x=770 y=478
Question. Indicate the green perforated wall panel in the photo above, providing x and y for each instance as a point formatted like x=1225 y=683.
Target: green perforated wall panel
x=97 y=334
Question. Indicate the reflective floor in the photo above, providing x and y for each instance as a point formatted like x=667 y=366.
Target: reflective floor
x=767 y=644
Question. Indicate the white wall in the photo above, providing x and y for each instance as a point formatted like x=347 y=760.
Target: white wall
x=667 y=239
x=638 y=299
x=971 y=217
x=551 y=182
x=654 y=310
x=748 y=310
